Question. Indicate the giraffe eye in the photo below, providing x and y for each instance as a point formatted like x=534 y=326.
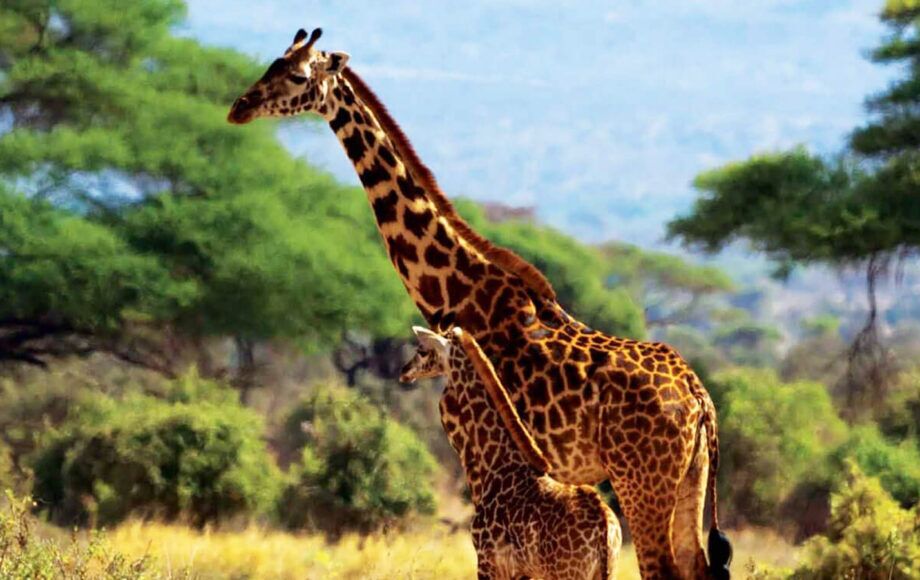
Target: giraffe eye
x=297 y=79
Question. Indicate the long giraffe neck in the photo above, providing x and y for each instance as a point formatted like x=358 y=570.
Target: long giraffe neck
x=442 y=262
x=492 y=459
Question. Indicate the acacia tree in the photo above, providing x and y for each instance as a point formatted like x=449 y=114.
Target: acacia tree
x=672 y=291
x=135 y=220
x=859 y=209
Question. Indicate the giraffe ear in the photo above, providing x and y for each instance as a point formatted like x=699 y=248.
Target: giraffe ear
x=336 y=62
x=430 y=339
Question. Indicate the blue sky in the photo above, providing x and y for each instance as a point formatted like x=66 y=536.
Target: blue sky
x=599 y=114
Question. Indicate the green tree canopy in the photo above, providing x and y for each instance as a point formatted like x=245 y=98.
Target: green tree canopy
x=798 y=207
x=131 y=200
x=775 y=436
x=793 y=206
x=858 y=209
x=670 y=289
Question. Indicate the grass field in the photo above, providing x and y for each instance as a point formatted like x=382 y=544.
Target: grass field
x=257 y=553
x=150 y=550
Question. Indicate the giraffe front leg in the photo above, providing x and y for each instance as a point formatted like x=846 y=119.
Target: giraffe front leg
x=488 y=568
x=487 y=561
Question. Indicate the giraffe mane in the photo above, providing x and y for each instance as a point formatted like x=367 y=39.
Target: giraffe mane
x=496 y=391
x=502 y=257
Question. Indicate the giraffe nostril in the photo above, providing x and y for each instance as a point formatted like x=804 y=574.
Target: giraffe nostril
x=250 y=99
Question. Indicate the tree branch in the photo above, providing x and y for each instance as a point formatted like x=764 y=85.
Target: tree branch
x=35 y=341
x=868 y=361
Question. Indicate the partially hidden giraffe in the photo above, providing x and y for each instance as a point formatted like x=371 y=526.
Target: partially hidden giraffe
x=526 y=523
x=600 y=407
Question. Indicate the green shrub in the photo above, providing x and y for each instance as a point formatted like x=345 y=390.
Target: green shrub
x=147 y=457
x=900 y=415
x=359 y=469
x=870 y=537
x=191 y=388
x=775 y=437
x=28 y=409
x=38 y=401
x=897 y=466
x=25 y=556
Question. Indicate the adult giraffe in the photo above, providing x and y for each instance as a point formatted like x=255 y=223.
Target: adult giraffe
x=598 y=406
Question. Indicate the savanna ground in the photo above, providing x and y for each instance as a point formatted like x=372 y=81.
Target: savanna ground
x=171 y=551
x=435 y=554
x=200 y=332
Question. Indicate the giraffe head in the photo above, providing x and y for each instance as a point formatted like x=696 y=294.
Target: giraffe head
x=432 y=357
x=298 y=82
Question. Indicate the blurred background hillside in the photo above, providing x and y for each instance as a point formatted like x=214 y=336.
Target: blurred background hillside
x=200 y=332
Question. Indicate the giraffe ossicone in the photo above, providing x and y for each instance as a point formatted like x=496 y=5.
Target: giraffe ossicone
x=526 y=523
x=598 y=407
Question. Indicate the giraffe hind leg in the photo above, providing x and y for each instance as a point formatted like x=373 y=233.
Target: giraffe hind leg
x=649 y=517
x=687 y=527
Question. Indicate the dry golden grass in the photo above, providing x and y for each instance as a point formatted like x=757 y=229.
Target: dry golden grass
x=256 y=553
x=757 y=545
x=259 y=553
x=761 y=546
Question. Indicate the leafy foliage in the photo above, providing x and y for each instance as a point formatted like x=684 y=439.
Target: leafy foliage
x=821 y=325
x=56 y=262
x=900 y=416
x=793 y=206
x=144 y=456
x=890 y=139
x=896 y=466
x=775 y=436
x=671 y=290
x=746 y=342
x=26 y=557
x=359 y=469
x=36 y=403
x=159 y=211
x=869 y=537
x=859 y=209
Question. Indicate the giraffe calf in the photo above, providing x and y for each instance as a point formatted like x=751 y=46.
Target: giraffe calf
x=526 y=523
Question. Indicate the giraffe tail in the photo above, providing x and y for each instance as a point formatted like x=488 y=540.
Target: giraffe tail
x=720 y=548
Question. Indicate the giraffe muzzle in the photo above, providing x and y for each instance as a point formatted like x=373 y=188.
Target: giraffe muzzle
x=242 y=111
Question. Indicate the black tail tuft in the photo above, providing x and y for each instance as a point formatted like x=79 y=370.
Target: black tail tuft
x=720 y=554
